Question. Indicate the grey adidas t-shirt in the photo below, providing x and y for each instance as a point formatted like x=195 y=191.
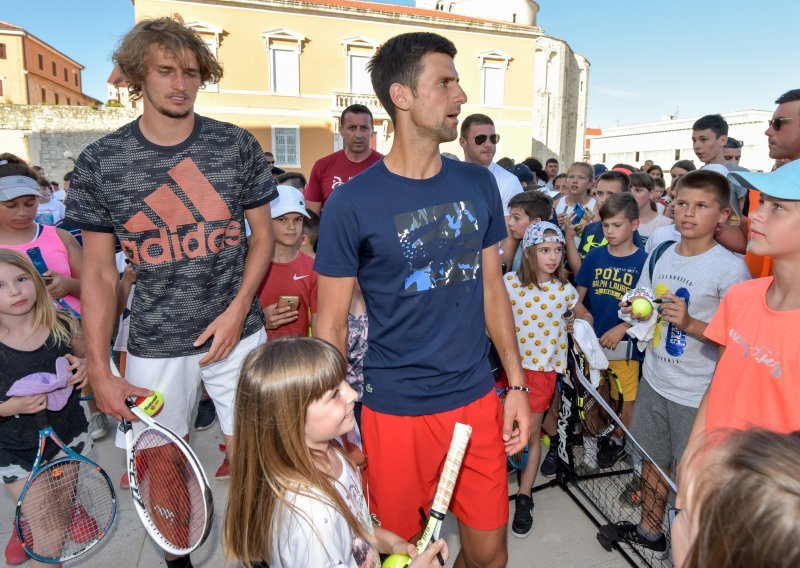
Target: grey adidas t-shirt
x=678 y=366
x=178 y=213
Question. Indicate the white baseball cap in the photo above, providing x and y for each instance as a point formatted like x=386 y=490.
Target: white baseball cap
x=290 y=200
x=12 y=187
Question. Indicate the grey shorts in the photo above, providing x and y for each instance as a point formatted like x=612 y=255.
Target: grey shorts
x=661 y=426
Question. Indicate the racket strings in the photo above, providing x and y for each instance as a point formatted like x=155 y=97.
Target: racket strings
x=170 y=491
x=66 y=509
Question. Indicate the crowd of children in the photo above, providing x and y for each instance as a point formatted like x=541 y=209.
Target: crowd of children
x=720 y=357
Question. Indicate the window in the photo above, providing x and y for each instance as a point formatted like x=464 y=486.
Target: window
x=636 y=159
x=69 y=102
x=66 y=74
x=53 y=67
x=286 y=146
x=41 y=62
x=57 y=98
x=358 y=51
x=494 y=65
x=677 y=155
x=75 y=76
x=359 y=79
x=284 y=47
x=44 y=96
x=2 y=87
x=284 y=72
x=2 y=51
x=209 y=33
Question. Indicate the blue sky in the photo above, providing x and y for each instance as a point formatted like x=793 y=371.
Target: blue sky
x=649 y=58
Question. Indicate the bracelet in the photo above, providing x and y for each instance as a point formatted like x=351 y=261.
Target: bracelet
x=516 y=388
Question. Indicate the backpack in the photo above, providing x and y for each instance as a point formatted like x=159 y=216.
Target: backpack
x=656 y=254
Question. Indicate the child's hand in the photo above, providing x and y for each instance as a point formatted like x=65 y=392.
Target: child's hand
x=78 y=368
x=57 y=285
x=613 y=336
x=569 y=228
x=675 y=311
x=23 y=405
x=562 y=219
x=277 y=317
x=429 y=558
x=129 y=274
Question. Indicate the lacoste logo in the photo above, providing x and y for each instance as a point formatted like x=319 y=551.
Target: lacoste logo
x=180 y=234
x=296 y=277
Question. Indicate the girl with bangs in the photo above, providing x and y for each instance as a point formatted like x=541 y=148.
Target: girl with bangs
x=295 y=497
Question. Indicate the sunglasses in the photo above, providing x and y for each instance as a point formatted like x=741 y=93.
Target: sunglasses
x=777 y=123
x=733 y=143
x=271 y=163
x=493 y=138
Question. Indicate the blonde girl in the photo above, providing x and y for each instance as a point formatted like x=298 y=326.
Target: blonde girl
x=540 y=295
x=32 y=336
x=295 y=499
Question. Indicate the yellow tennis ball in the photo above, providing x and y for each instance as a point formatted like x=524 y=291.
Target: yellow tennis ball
x=396 y=561
x=641 y=308
x=151 y=405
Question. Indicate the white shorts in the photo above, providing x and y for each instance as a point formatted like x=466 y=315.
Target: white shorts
x=178 y=379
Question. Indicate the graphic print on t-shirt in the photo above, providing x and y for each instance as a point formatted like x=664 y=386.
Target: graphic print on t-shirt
x=441 y=245
x=179 y=233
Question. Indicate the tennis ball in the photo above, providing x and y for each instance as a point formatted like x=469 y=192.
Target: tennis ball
x=641 y=308
x=396 y=561
x=151 y=404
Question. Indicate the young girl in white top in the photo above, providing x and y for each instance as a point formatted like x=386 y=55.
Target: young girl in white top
x=295 y=498
x=650 y=219
x=579 y=182
x=540 y=294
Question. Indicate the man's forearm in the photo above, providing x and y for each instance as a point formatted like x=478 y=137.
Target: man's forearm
x=334 y=332
x=99 y=315
x=500 y=325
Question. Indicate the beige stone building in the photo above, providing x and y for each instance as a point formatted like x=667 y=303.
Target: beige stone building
x=292 y=66
x=33 y=72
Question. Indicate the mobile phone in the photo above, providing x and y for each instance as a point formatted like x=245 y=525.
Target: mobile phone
x=290 y=301
x=578 y=211
x=35 y=254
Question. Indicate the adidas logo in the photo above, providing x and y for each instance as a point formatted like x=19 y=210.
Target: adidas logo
x=180 y=234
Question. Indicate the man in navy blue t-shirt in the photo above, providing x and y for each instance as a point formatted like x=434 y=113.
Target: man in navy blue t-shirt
x=421 y=235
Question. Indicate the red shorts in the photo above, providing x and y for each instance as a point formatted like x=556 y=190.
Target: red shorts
x=542 y=385
x=405 y=455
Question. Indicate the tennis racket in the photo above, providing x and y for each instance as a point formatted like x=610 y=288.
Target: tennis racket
x=169 y=487
x=67 y=505
x=447 y=481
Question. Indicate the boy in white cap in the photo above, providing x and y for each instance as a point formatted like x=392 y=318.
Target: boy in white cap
x=755 y=383
x=288 y=292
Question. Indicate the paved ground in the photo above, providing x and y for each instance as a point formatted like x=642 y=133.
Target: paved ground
x=562 y=535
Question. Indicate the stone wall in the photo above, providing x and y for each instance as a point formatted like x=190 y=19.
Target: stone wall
x=42 y=133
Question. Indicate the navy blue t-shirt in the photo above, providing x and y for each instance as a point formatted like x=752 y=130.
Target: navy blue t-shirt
x=593 y=237
x=415 y=246
x=608 y=278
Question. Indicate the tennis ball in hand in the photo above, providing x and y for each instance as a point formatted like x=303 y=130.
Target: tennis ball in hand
x=151 y=405
x=396 y=561
x=641 y=308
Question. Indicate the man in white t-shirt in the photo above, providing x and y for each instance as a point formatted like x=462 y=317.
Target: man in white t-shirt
x=479 y=142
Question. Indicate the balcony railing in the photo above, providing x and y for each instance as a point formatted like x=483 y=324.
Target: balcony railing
x=341 y=101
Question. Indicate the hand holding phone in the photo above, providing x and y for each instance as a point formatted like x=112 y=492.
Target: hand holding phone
x=288 y=302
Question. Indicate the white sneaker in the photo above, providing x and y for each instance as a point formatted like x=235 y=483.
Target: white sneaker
x=98 y=425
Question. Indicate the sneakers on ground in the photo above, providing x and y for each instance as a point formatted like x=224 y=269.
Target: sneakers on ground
x=98 y=425
x=15 y=554
x=224 y=470
x=609 y=452
x=631 y=495
x=631 y=533
x=549 y=465
x=206 y=415
x=523 y=516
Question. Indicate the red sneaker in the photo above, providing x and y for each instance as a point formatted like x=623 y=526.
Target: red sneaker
x=15 y=554
x=224 y=471
x=83 y=527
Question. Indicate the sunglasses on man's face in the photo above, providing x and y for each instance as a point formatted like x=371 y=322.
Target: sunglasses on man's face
x=270 y=162
x=777 y=123
x=480 y=139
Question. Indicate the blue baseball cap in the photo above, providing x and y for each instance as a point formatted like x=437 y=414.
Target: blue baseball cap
x=783 y=183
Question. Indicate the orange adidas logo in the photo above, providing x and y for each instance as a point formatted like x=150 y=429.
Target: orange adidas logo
x=184 y=236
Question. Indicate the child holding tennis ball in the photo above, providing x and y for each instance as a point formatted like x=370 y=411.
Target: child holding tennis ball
x=540 y=294
x=33 y=335
x=295 y=498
